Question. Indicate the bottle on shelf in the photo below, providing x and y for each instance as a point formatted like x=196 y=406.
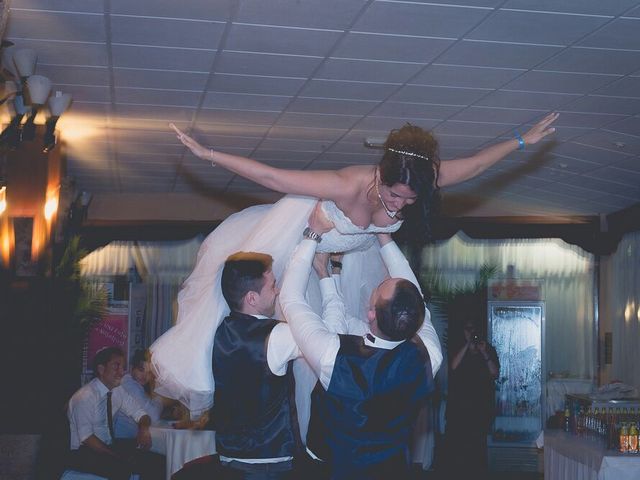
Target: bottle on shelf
x=624 y=438
x=633 y=438
x=567 y=419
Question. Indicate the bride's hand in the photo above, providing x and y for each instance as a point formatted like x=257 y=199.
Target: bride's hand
x=540 y=129
x=197 y=149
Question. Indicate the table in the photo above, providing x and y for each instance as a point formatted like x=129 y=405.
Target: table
x=557 y=388
x=567 y=457
x=181 y=446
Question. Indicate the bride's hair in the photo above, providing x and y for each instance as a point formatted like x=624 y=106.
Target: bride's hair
x=411 y=158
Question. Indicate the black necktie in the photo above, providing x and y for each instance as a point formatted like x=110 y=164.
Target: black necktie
x=110 y=414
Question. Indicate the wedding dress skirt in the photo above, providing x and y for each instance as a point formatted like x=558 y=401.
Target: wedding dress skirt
x=181 y=357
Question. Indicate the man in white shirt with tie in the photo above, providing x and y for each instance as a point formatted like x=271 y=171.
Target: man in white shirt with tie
x=91 y=409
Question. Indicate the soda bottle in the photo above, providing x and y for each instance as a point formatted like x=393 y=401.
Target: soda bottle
x=624 y=438
x=633 y=439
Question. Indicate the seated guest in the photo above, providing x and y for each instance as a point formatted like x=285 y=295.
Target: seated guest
x=91 y=409
x=370 y=387
x=138 y=384
x=254 y=411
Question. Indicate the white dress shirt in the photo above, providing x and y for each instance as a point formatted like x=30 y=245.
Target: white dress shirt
x=87 y=411
x=319 y=341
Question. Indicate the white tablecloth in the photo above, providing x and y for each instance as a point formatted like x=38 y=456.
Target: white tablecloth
x=567 y=457
x=181 y=446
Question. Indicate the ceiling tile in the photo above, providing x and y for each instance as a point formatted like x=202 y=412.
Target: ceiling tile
x=559 y=82
x=439 y=95
x=74 y=27
x=348 y=146
x=622 y=33
x=84 y=93
x=162 y=58
x=390 y=47
x=385 y=124
x=630 y=126
x=94 y=76
x=630 y=163
x=473 y=128
x=459 y=76
x=280 y=40
x=625 y=87
x=349 y=90
x=159 y=114
x=366 y=70
x=158 y=32
x=293 y=145
x=246 y=63
x=239 y=101
x=569 y=164
x=66 y=53
x=157 y=97
x=241 y=131
x=415 y=110
x=206 y=115
x=337 y=106
x=614 y=105
x=586 y=120
x=587 y=7
x=528 y=100
x=311 y=120
x=500 y=115
x=533 y=27
x=131 y=77
x=588 y=153
x=197 y=9
x=331 y=14
x=296 y=133
x=502 y=55
x=618 y=175
x=613 y=141
x=255 y=85
x=89 y=6
x=590 y=60
x=419 y=19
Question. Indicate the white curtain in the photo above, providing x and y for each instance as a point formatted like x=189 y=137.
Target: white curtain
x=163 y=267
x=566 y=273
x=621 y=309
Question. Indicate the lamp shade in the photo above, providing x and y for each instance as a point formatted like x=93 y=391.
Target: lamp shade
x=59 y=103
x=25 y=60
x=39 y=89
x=7 y=60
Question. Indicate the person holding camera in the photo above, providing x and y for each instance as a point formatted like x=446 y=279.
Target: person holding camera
x=473 y=370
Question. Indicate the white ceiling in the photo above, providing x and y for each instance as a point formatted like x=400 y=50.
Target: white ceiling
x=301 y=83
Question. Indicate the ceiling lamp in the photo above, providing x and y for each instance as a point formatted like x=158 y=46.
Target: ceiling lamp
x=30 y=94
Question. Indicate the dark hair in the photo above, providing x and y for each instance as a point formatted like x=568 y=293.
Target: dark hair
x=105 y=355
x=400 y=316
x=138 y=359
x=411 y=158
x=243 y=272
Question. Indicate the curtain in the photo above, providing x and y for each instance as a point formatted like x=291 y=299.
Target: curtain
x=566 y=273
x=620 y=309
x=163 y=266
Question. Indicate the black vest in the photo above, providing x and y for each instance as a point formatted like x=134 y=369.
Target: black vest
x=254 y=412
x=363 y=422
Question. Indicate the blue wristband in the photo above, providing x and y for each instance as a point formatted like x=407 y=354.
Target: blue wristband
x=521 y=143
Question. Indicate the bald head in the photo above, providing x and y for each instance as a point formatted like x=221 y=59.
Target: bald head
x=399 y=308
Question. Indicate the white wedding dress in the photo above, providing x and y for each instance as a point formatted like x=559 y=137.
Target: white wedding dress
x=182 y=356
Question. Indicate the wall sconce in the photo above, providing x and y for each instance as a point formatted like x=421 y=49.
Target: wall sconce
x=31 y=94
x=50 y=207
x=3 y=199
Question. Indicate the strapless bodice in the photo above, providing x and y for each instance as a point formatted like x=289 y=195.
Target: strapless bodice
x=346 y=236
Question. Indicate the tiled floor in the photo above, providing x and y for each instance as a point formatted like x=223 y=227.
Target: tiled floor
x=430 y=475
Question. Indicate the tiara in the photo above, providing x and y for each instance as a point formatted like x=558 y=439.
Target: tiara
x=410 y=154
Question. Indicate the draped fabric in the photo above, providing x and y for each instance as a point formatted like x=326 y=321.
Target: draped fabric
x=163 y=267
x=621 y=308
x=566 y=273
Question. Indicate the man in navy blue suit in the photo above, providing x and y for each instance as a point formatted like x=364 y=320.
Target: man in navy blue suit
x=370 y=387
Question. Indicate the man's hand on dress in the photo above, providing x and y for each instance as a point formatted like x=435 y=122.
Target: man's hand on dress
x=318 y=221
x=321 y=264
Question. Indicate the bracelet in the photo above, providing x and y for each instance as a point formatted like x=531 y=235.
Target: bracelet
x=521 y=142
x=211 y=157
x=335 y=264
x=311 y=235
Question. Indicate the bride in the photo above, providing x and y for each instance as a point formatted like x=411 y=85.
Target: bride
x=360 y=200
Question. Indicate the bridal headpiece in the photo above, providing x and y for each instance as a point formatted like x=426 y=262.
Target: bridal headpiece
x=410 y=154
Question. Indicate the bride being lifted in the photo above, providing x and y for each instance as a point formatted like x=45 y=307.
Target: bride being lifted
x=360 y=200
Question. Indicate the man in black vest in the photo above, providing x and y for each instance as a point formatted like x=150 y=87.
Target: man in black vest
x=370 y=388
x=254 y=411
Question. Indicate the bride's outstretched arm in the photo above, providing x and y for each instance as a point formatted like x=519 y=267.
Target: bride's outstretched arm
x=328 y=184
x=456 y=171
